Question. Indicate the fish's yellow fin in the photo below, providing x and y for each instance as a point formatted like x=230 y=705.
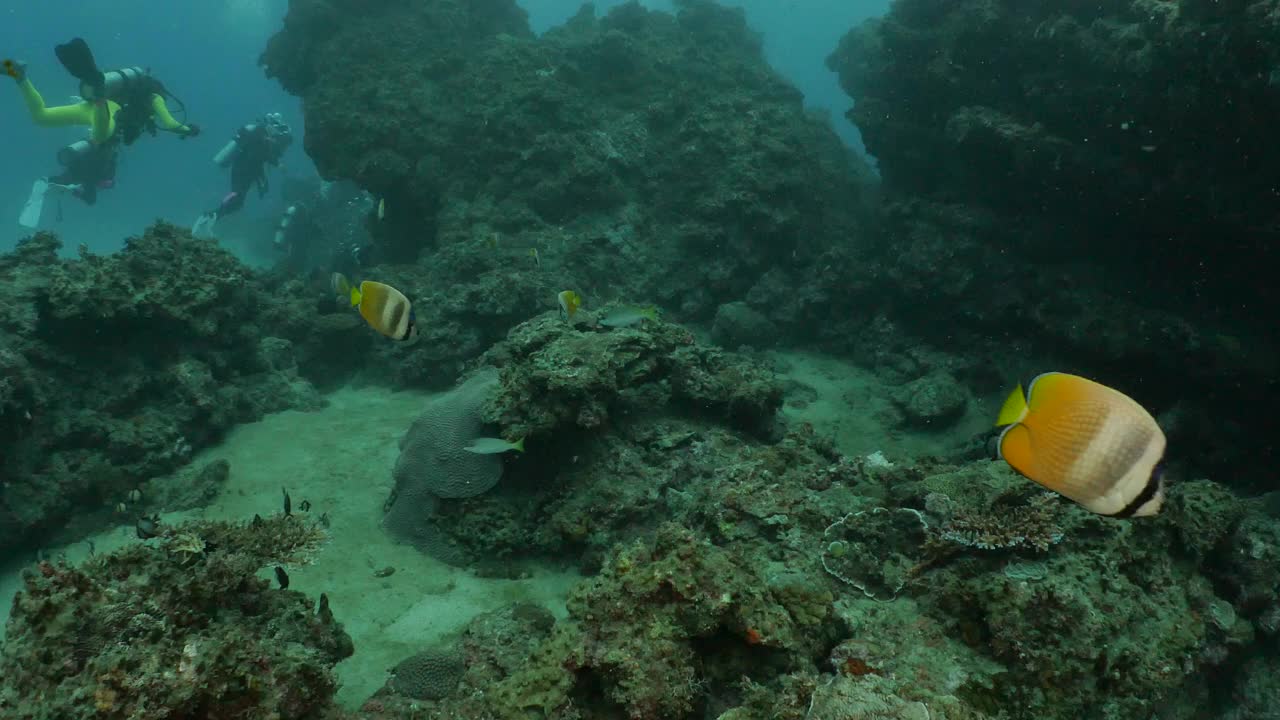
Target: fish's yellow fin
x=518 y=445
x=1014 y=408
x=356 y=297
x=650 y=312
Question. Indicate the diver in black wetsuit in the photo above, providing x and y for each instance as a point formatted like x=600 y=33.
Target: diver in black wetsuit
x=324 y=228
x=254 y=146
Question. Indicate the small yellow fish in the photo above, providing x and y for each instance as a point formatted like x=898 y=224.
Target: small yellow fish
x=385 y=308
x=382 y=208
x=570 y=301
x=537 y=259
x=495 y=239
x=1086 y=441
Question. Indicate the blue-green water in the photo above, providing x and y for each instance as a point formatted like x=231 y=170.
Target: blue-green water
x=685 y=360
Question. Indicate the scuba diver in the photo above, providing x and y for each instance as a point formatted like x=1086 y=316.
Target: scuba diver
x=117 y=106
x=323 y=228
x=247 y=154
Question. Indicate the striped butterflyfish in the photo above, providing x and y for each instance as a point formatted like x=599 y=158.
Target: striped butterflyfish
x=385 y=308
x=1085 y=441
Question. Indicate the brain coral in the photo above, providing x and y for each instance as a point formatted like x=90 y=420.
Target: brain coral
x=429 y=675
x=432 y=458
x=433 y=465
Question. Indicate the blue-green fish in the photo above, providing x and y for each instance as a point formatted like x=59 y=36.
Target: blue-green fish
x=493 y=446
x=628 y=315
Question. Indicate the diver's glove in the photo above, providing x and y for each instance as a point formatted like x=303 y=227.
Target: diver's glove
x=15 y=69
x=192 y=131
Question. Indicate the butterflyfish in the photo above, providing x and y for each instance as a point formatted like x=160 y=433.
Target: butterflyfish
x=629 y=315
x=1085 y=441
x=385 y=308
x=570 y=301
x=494 y=446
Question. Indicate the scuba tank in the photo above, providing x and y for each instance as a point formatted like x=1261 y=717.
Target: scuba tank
x=119 y=85
x=227 y=153
x=283 y=228
x=73 y=152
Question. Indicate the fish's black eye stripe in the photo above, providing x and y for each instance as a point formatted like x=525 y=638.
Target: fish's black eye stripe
x=1148 y=491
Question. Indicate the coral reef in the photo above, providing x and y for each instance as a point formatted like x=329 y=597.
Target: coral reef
x=556 y=374
x=664 y=628
x=428 y=675
x=739 y=568
x=1078 y=181
x=176 y=627
x=563 y=388
x=434 y=464
x=116 y=368
x=640 y=156
x=726 y=563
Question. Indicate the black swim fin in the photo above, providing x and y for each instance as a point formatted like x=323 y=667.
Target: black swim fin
x=77 y=58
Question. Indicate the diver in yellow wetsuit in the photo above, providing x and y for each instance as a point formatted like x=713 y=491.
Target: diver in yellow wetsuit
x=118 y=106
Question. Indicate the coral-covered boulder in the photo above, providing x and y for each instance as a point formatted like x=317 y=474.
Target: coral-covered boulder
x=179 y=627
x=641 y=154
x=115 y=368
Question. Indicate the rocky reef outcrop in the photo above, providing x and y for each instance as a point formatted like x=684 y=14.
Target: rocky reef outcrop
x=743 y=576
x=115 y=368
x=178 y=626
x=642 y=156
x=735 y=573
x=1090 y=183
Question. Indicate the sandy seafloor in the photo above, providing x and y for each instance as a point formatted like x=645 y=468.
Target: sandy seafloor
x=340 y=459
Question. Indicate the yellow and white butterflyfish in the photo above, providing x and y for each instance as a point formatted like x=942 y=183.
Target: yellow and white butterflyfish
x=1085 y=441
x=385 y=308
x=570 y=301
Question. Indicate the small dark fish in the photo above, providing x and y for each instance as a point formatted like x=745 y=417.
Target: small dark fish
x=147 y=527
x=305 y=506
x=326 y=615
x=288 y=503
x=282 y=577
x=93 y=549
x=324 y=519
x=387 y=571
x=257 y=521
